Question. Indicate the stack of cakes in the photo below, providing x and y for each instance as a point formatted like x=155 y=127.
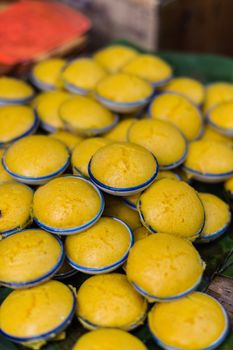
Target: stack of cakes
x=96 y=182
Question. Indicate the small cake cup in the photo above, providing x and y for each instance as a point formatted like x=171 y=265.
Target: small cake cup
x=54 y=297
x=220 y=118
x=111 y=236
x=15 y=91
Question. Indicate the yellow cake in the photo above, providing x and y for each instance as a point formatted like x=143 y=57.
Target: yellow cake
x=110 y=301
x=123 y=88
x=229 y=185
x=149 y=67
x=209 y=160
x=217 y=93
x=119 y=132
x=67 y=205
x=101 y=248
x=163 y=267
x=15 y=207
x=117 y=208
x=179 y=111
x=4 y=176
x=16 y=122
x=140 y=233
x=101 y=339
x=82 y=75
x=173 y=207
x=84 y=115
x=14 y=91
x=69 y=139
x=123 y=168
x=195 y=322
x=35 y=159
x=188 y=87
x=114 y=57
x=29 y=257
x=46 y=75
x=220 y=118
x=43 y=312
x=213 y=135
x=83 y=153
x=47 y=108
x=217 y=216
x=160 y=138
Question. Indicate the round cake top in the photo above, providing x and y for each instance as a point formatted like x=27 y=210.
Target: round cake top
x=4 y=176
x=164 y=265
x=66 y=202
x=188 y=87
x=114 y=57
x=229 y=185
x=83 y=73
x=28 y=157
x=217 y=93
x=217 y=214
x=48 y=107
x=195 y=321
x=28 y=255
x=173 y=207
x=101 y=339
x=15 y=205
x=69 y=139
x=179 y=111
x=48 y=72
x=212 y=135
x=84 y=113
x=103 y=244
x=150 y=68
x=124 y=88
x=84 y=151
x=109 y=300
x=221 y=116
x=161 y=138
x=117 y=208
x=119 y=132
x=123 y=165
x=209 y=157
x=15 y=122
x=39 y=309
x=12 y=90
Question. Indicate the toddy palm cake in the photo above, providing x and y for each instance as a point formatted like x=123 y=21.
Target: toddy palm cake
x=15 y=91
x=43 y=313
x=196 y=321
x=110 y=301
x=83 y=153
x=26 y=160
x=46 y=75
x=217 y=93
x=163 y=267
x=15 y=207
x=217 y=217
x=123 y=168
x=220 y=118
x=101 y=248
x=188 y=87
x=101 y=339
x=178 y=110
x=114 y=57
x=162 y=139
x=211 y=134
x=69 y=139
x=85 y=116
x=172 y=206
x=209 y=161
x=67 y=205
x=151 y=68
x=82 y=75
x=16 y=122
x=120 y=131
x=123 y=92
x=29 y=257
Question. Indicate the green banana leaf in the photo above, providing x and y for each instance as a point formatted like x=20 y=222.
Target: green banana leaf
x=217 y=255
